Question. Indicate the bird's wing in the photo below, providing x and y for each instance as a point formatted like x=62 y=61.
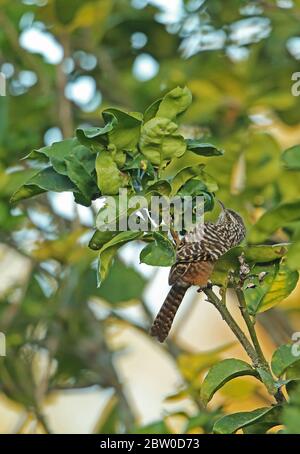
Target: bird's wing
x=204 y=244
x=178 y=270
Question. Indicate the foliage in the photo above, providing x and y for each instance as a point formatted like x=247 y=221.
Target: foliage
x=221 y=122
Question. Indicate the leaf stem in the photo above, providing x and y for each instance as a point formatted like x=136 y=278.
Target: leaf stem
x=263 y=366
x=226 y=315
x=253 y=351
x=250 y=326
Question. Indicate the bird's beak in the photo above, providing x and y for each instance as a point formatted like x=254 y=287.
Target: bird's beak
x=221 y=204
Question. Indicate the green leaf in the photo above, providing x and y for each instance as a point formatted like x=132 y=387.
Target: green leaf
x=126 y=128
x=291 y=158
x=122 y=284
x=94 y=137
x=253 y=254
x=109 y=177
x=174 y=103
x=160 y=140
x=188 y=159
x=44 y=180
x=79 y=170
x=99 y=238
x=183 y=176
x=161 y=187
x=57 y=153
x=221 y=373
x=151 y=111
x=203 y=148
x=197 y=185
x=273 y=219
x=229 y=424
x=275 y=287
x=75 y=161
x=159 y=252
x=109 y=249
x=283 y=358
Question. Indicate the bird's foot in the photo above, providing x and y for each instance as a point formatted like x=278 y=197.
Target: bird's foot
x=208 y=286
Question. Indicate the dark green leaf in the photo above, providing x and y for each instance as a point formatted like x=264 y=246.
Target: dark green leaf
x=203 y=148
x=94 y=138
x=122 y=284
x=44 y=180
x=229 y=424
x=126 y=128
x=159 y=252
x=221 y=373
x=100 y=238
x=109 y=249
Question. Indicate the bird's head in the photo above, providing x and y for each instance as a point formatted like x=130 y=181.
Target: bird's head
x=233 y=222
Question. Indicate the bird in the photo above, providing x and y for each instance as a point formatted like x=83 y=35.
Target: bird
x=196 y=256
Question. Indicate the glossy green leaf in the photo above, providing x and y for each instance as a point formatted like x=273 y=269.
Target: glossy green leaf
x=75 y=161
x=151 y=111
x=109 y=249
x=44 y=180
x=229 y=424
x=160 y=252
x=126 y=128
x=291 y=158
x=202 y=148
x=110 y=179
x=177 y=164
x=253 y=254
x=79 y=170
x=221 y=373
x=174 y=103
x=183 y=176
x=160 y=140
x=94 y=137
x=284 y=357
x=58 y=152
x=99 y=238
x=279 y=282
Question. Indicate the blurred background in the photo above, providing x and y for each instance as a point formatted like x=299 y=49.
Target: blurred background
x=79 y=359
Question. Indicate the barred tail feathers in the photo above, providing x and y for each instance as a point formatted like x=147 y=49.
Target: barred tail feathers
x=164 y=319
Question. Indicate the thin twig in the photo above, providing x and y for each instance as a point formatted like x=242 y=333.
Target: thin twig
x=259 y=362
x=221 y=307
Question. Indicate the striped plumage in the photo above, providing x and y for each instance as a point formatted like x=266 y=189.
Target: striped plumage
x=196 y=256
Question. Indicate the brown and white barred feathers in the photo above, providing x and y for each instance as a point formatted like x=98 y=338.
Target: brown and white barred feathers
x=196 y=256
